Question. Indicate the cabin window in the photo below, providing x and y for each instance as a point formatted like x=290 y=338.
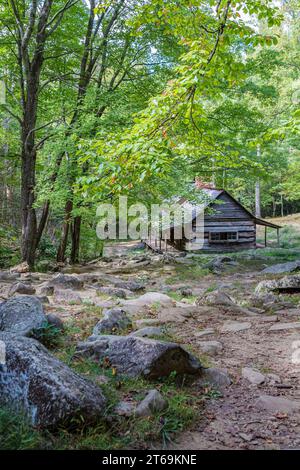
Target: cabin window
x=220 y=237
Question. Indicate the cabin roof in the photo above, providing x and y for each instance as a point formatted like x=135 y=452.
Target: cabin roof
x=213 y=194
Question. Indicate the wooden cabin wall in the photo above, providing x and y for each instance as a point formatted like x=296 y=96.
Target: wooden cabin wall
x=228 y=217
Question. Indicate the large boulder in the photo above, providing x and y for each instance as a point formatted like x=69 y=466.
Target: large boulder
x=47 y=390
x=136 y=356
x=285 y=285
x=65 y=281
x=290 y=267
x=21 y=315
x=113 y=319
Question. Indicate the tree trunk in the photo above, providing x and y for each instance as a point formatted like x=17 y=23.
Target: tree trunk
x=28 y=242
x=75 y=240
x=61 y=252
x=257 y=199
x=257 y=189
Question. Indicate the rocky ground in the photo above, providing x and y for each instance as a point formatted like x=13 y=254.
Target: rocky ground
x=220 y=309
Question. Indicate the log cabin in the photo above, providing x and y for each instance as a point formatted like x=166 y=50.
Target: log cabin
x=227 y=226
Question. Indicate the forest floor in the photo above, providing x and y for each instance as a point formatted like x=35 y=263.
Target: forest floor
x=238 y=416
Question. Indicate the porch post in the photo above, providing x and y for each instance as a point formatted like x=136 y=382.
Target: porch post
x=266 y=235
x=278 y=237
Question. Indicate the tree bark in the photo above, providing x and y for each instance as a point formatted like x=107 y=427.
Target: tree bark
x=75 y=240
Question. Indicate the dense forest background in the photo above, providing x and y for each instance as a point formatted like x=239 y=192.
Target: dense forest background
x=139 y=97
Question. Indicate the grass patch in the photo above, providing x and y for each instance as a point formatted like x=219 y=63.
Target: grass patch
x=187 y=273
x=114 y=432
x=16 y=433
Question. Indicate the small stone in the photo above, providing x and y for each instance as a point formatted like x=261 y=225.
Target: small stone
x=114 y=319
x=154 y=402
x=185 y=292
x=253 y=376
x=101 y=380
x=246 y=437
x=217 y=377
x=124 y=408
x=273 y=378
x=210 y=347
x=233 y=327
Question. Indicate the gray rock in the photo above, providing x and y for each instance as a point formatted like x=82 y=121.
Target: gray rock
x=44 y=289
x=21 y=288
x=101 y=380
x=147 y=300
x=210 y=347
x=55 y=321
x=206 y=332
x=264 y=300
x=290 y=267
x=177 y=314
x=67 y=295
x=234 y=326
x=7 y=276
x=133 y=286
x=277 y=404
x=154 y=402
x=65 y=281
x=215 y=297
x=285 y=285
x=114 y=319
x=140 y=356
x=285 y=326
x=21 y=315
x=46 y=389
x=121 y=293
x=147 y=332
x=125 y=408
x=216 y=377
x=146 y=322
x=186 y=292
x=253 y=376
x=43 y=299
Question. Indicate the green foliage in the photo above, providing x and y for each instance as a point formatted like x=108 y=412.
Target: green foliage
x=49 y=335
x=16 y=433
